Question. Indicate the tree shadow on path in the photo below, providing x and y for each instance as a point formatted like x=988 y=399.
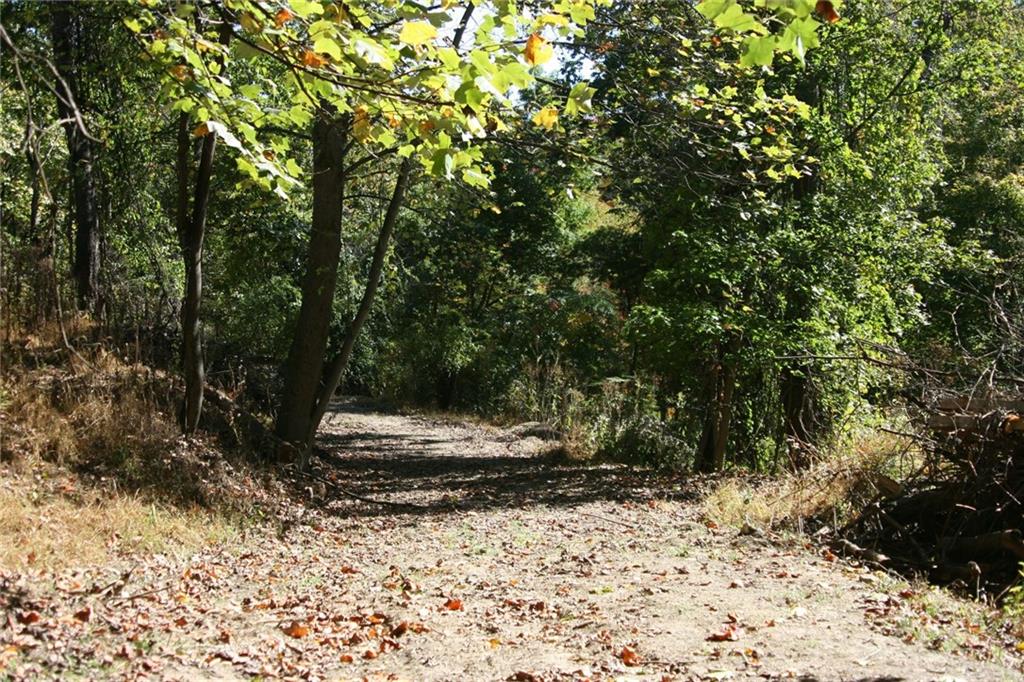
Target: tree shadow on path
x=422 y=471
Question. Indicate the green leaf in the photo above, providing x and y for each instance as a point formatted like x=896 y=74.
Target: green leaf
x=712 y=8
x=473 y=177
x=449 y=58
x=305 y=8
x=735 y=19
x=758 y=51
x=374 y=53
x=328 y=47
x=579 y=99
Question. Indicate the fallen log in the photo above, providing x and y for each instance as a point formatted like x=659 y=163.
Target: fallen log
x=999 y=542
x=850 y=549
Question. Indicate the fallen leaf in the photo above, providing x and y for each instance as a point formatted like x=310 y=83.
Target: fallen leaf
x=400 y=629
x=347 y=658
x=730 y=633
x=296 y=630
x=629 y=657
x=85 y=615
x=29 y=617
x=453 y=604
x=523 y=676
x=369 y=654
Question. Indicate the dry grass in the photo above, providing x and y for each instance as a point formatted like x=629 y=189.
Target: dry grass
x=828 y=492
x=51 y=530
x=95 y=466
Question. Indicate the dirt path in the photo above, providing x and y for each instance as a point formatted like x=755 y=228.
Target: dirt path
x=510 y=566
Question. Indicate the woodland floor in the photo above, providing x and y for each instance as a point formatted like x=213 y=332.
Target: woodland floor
x=511 y=565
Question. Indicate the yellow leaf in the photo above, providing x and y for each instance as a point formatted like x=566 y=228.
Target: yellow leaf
x=553 y=20
x=361 y=124
x=546 y=117
x=249 y=23
x=538 y=50
x=417 y=33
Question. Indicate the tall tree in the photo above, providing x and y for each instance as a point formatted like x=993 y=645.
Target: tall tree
x=191 y=236
x=191 y=226
x=304 y=368
x=69 y=39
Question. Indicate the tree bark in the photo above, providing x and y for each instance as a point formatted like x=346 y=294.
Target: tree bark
x=340 y=363
x=191 y=235
x=798 y=414
x=66 y=41
x=714 y=441
x=309 y=342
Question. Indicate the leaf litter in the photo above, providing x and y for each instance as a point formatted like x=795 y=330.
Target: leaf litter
x=513 y=565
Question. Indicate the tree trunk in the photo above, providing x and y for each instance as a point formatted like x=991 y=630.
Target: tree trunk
x=714 y=441
x=798 y=414
x=66 y=42
x=191 y=235
x=309 y=342
x=340 y=363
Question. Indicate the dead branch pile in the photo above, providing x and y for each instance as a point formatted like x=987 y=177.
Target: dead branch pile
x=960 y=517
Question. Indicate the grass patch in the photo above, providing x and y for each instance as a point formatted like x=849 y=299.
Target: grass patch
x=829 y=492
x=46 y=529
x=94 y=465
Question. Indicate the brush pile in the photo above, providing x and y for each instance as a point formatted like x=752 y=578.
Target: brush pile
x=960 y=515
